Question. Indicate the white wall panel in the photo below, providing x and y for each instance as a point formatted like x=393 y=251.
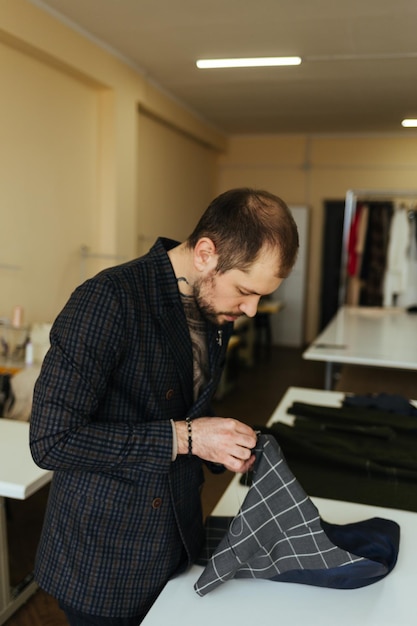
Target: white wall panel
x=288 y=324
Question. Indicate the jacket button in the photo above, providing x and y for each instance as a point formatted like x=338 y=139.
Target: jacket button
x=169 y=394
x=156 y=503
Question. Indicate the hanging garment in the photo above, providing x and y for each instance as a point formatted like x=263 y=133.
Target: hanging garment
x=396 y=274
x=352 y=262
x=409 y=296
x=356 y=247
x=373 y=264
x=278 y=535
x=354 y=280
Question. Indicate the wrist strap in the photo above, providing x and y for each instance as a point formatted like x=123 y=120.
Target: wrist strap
x=190 y=436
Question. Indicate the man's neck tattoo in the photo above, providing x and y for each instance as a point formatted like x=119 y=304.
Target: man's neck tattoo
x=191 y=309
x=180 y=280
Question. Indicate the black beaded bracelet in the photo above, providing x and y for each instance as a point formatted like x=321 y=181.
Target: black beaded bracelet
x=190 y=436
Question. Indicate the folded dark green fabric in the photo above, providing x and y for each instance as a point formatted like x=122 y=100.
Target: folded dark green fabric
x=355 y=415
x=375 y=441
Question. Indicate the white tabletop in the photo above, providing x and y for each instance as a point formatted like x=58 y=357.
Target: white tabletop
x=247 y=602
x=303 y=394
x=381 y=337
x=389 y=602
x=20 y=477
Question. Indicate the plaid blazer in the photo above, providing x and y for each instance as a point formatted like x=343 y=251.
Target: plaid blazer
x=121 y=515
x=278 y=535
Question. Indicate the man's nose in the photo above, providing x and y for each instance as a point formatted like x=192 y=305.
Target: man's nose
x=250 y=306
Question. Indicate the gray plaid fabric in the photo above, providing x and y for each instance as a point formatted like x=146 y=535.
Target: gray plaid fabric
x=277 y=530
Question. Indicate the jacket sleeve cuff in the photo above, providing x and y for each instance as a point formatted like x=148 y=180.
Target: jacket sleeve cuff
x=174 y=441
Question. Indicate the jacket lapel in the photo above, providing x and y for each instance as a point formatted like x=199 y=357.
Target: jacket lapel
x=170 y=313
x=178 y=339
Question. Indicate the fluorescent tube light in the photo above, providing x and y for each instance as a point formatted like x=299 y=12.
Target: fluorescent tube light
x=254 y=62
x=409 y=123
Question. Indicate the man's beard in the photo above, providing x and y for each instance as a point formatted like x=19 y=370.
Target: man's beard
x=206 y=309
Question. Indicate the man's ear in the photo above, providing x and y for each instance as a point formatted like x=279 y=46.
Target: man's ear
x=205 y=255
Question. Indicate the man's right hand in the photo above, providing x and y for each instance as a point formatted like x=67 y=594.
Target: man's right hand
x=220 y=440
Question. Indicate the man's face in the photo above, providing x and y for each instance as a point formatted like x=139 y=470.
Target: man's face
x=223 y=298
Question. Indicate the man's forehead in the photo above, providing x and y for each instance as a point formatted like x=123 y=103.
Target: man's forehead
x=259 y=280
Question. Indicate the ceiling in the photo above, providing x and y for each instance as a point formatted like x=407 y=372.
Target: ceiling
x=359 y=70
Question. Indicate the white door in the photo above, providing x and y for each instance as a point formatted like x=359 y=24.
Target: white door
x=288 y=324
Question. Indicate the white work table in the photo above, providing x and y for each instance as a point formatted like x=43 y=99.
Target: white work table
x=373 y=336
x=389 y=602
x=19 y=478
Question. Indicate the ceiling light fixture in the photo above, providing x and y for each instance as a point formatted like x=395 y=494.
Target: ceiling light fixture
x=254 y=62
x=409 y=123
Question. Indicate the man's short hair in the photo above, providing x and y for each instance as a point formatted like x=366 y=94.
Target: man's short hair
x=242 y=222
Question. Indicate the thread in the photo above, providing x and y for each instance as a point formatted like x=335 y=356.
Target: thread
x=17 y=317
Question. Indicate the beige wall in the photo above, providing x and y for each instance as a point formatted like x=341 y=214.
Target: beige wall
x=48 y=165
x=75 y=167
x=70 y=155
x=169 y=205
x=307 y=170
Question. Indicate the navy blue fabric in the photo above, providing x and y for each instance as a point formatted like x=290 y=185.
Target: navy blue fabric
x=351 y=576
x=391 y=402
x=376 y=539
x=75 y=618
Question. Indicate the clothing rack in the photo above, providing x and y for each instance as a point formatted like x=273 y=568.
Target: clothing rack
x=351 y=200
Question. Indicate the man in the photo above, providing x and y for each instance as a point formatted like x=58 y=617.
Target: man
x=121 y=410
